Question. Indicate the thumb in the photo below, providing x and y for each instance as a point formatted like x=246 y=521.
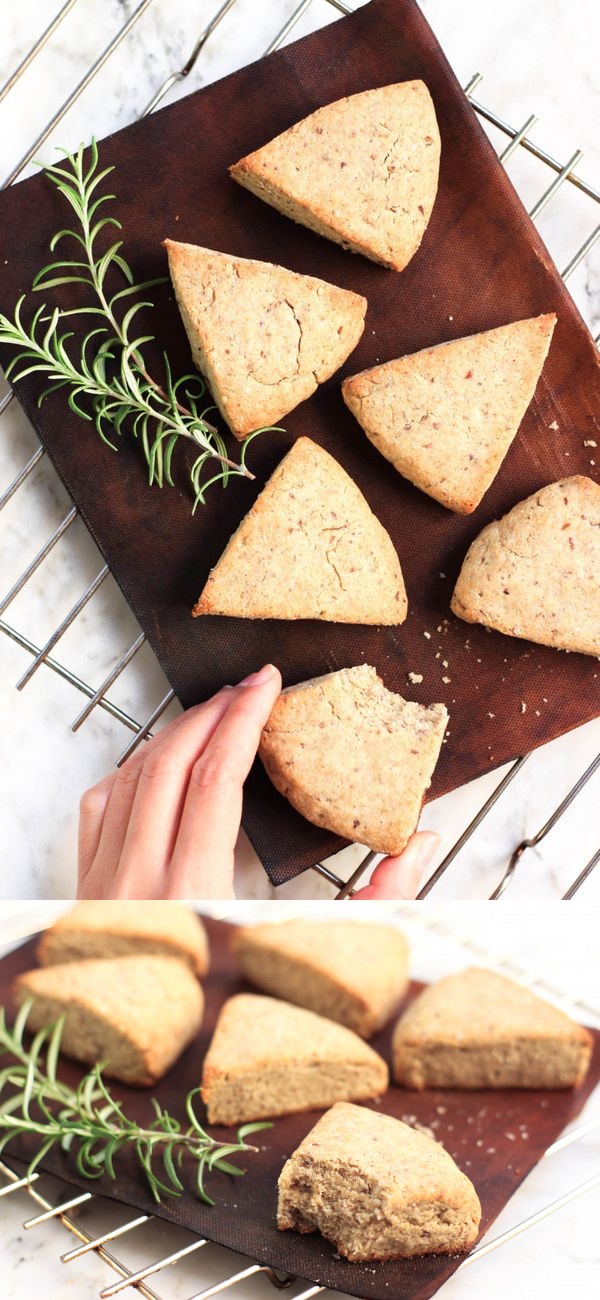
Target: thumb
x=401 y=876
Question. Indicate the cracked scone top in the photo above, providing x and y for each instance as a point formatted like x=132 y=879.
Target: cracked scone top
x=263 y=336
x=354 y=757
x=535 y=573
x=310 y=547
x=377 y=1189
x=362 y=171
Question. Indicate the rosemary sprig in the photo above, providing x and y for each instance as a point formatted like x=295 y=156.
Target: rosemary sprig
x=108 y=383
x=91 y=1124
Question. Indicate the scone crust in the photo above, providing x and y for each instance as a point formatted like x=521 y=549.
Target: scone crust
x=109 y=928
x=353 y=972
x=152 y=1006
x=478 y=1029
x=534 y=573
x=268 y=1057
x=353 y=757
x=374 y=152
x=446 y=416
x=310 y=548
x=264 y=337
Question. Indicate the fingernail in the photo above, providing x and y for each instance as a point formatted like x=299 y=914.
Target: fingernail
x=423 y=847
x=259 y=678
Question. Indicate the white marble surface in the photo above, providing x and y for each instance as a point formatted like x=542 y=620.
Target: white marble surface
x=536 y=56
x=558 y=1257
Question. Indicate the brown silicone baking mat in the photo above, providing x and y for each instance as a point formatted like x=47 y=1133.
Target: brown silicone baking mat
x=481 y=264
x=495 y=1137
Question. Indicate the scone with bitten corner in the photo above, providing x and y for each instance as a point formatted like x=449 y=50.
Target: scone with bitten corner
x=377 y=1189
x=354 y=757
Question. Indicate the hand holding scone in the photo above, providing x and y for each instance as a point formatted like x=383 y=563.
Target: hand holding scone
x=165 y=825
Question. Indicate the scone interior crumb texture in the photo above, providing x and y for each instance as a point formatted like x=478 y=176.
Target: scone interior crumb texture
x=535 y=572
x=107 y=928
x=354 y=757
x=350 y=971
x=136 y=1013
x=377 y=1189
x=478 y=1029
x=376 y=152
x=270 y=1058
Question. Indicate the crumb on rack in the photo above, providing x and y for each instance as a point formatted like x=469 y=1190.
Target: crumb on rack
x=415 y=678
x=554 y=425
x=446 y=680
x=523 y=706
x=427 y=636
x=590 y=442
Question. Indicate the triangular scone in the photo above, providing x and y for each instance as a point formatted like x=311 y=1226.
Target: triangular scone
x=270 y=1058
x=350 y=971
x=481 y=1030
x=535 y=572
x=108 y=928
x=362 y=171
x=310 y=547
x=137 y=1014
x=263 y=336
x=445 y=417
x=354 y=757
x=377 y=1189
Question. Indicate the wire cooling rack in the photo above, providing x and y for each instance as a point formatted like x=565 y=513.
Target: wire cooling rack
x=560 y=173
x=436 y=946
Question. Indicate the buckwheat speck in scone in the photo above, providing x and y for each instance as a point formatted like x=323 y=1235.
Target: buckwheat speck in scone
x=481 y=1030
x=310 y=547
x=117 y=929
x=446 y=417
x=377 y=1189
x=350 y=971
x=352 y=756
x=536 y=573
x=135 y=1013
x=362 y=171
x=265 y=337
x=269 y=1058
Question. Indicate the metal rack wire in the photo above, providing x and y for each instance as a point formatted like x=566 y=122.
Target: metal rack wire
x=97 y=697
x=422 y=927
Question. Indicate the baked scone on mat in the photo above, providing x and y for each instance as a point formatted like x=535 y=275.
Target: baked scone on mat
x=362 y=171
x=352 y=756
x=478 y=1029
x=108 y=928
x=377 y=1189
x=270 y=1058
x=137 y=1014
x=535 y=573
x=446 y=417
x=263 y=336
x=350 y=971
x=310 y=547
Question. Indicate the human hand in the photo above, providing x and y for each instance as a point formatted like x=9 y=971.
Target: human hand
x=165 y=824
x=401 y=877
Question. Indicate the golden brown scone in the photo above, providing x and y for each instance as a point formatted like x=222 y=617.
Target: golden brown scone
x=120 y=928
x=137 y=1014
x=446 y=417
x=478 y=1029
x=350 y=971
x=269 y=1058
x=362 y=171
x=377 y=1189
x=263 y=336
x=536 y=573
x=310 y=547
x=354 y=757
